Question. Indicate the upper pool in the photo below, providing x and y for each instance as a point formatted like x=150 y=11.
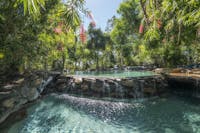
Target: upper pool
x=116 y=74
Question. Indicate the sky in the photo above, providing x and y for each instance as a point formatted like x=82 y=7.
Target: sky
x=102 y=10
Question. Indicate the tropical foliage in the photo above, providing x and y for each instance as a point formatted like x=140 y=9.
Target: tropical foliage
x=44 y=34
x=164 y=32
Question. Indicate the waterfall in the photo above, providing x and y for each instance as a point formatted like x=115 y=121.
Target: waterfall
x=139 y=89
x=44 y=84
x=106 y=88
x=136 y=91
x=197 y=88
x=70 y=84
x=119 y=89
x=92 y=84
x=154 y=86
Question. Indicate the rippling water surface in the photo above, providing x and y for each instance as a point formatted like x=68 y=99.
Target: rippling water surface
x=70 y=114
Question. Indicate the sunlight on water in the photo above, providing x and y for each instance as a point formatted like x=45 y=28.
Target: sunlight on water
x=69 y=114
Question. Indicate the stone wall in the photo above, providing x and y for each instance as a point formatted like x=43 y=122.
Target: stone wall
x=109 y=87
x=184 y=85
x=16 y=94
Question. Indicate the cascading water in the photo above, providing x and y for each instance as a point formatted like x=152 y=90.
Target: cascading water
x=106 y=88
x=92 y=84
x=141 y=83
x=71 y=84
x=197 y=88
x=119 y=89
x=138 y=90
x=44 y=84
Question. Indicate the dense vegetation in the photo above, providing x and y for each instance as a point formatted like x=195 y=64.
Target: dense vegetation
x=169 y=32
x=44 y=34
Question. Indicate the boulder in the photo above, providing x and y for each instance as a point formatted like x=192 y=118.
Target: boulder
x=30 y=93
x=60 y=81
x=10 y=106
x=98 y=85
x=85 y=87
x=112 y=85
x=8 y=103
x=19 y=81
x=195 y=71
x=15 y=95
x=149 y=90
x=178 y=70
x=30 y=87
x=86 y=83
x=127 y=82
x=161 y=70
x=78 y=80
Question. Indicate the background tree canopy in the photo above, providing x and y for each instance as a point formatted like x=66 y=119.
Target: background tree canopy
x=39 y=34
x=170 y=31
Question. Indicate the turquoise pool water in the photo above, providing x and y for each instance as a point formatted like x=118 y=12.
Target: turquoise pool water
x=117 y=74
x=70 y=114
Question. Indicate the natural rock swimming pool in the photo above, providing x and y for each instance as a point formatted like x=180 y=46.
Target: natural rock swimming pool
x=116 y=74
x=71 y=114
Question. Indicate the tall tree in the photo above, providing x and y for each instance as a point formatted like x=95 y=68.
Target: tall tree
x=96 y=42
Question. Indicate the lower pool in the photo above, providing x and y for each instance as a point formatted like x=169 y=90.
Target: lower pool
x=71 y=114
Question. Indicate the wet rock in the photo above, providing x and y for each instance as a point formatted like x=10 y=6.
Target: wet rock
x=85 y=87
x=15 y=95
x=158 y=70
x=19 y=81
x=161 y=70
x=6 y=94
x=112 y=85
x=151 y=91
x=128 y=87
x=30 y=93
x=8 y=87
x=127 y=82
x=98 y=86
x=178 y=70
x=86 y=84
x=61 y=88
x=29 y=89
x=9 y=103
x=60 y=81
x=195 y=71
x=78 y=80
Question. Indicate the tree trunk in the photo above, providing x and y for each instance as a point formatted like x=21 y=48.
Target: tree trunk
x=144 y=12
x=97 y=61
x=179 y=34
x=63 y=62
x=120 y=57
x=45 y=64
